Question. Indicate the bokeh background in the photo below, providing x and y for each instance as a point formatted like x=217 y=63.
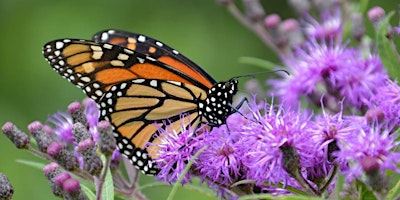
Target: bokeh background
x=29 y=89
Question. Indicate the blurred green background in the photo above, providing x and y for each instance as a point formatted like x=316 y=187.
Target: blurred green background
x=30 y=90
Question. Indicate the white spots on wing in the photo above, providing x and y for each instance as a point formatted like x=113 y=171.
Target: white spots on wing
x=141 y=38
x=96 y=85
x=123 y=86
x=117 y=63
x=108 y=95
x=128 y=51
x=150 y=58
x=141 y=60
x=99 y=93
x=104 y=36
x=95 y=48
x=85 y=79
x=123 y=56
x=175 y=83
x=107 y=46
x=159 y=44
x=97 y=55
x=140 y=80
x=59 y=45
x=153 y=83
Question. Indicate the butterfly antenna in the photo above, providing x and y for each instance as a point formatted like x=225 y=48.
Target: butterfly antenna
x=264 y=72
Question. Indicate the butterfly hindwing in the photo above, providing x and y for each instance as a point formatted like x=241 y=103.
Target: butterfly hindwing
x=139 y=108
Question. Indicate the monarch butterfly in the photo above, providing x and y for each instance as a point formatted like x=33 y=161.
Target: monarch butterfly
x=139 y=83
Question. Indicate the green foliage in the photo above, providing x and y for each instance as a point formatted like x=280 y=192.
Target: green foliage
x=386 y=50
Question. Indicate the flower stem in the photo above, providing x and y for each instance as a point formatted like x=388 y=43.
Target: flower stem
x=331 y=177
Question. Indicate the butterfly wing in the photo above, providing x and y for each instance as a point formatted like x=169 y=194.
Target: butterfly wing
x=155 y=49
x=135 y=92
x=137 y=109
x=95 y=67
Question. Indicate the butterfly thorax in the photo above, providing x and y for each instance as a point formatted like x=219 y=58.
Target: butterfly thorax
x=218 y=104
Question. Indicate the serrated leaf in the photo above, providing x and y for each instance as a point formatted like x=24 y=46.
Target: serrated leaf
x=89 y=193
x=364 y=192
x=34 y=164
x=388 y=55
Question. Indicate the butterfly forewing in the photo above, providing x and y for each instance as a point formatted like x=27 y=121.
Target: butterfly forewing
x=95 y=67
x=155 y=49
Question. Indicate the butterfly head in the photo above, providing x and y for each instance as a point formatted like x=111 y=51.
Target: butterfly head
x=218 y=104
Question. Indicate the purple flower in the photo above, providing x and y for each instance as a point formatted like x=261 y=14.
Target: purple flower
x=387 y=100
x=374 y=142
x=327 y=130
x=359 y=81
x=312 y=71
x=221 y=161
x=63 y=121
x=330 y=25
x=174 y=152
x=334 y=71
x=63 y=126
x=279 y=128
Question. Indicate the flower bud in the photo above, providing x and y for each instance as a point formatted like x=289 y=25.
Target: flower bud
x=42 y=138
x=76 y=111
x=6 y=189
x=19 y=138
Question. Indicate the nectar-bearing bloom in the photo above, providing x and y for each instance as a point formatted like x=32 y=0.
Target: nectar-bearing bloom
x=387 y=101
x=276 y=130
x=334 y=71
x=173 y=154
x=221 y=161
x=71 y=142
x=329 y=26
x=373 y=143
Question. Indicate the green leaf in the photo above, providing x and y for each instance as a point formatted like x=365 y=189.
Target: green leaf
x=364 y=192
x=204 y=191
x=387 y=53
x=363 y=6
x=273 y=197
x=394 y=193
x=107 y=193
x=264 y=64
x=179 y=181
x=242 y=182
x=153 y=185
x=89 y=193
x=34 y=164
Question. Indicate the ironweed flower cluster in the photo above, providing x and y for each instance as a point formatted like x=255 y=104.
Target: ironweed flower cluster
x=337 y=113
x=335 y=117
x=79 y=147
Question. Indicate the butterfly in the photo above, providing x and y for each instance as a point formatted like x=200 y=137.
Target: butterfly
x=139 y=84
